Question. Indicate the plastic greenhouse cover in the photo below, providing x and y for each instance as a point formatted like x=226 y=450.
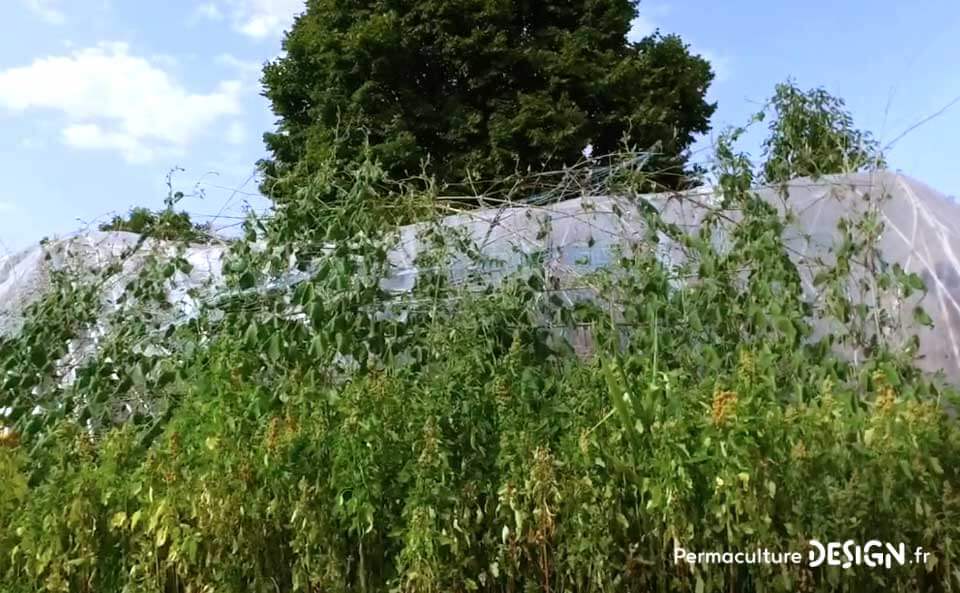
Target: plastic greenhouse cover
x=921 y=229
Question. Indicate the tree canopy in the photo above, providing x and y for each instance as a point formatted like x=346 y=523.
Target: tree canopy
x=813 y=134
x=471 y=88
x=166 y=224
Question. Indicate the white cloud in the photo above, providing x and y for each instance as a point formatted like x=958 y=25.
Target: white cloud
x=259 y=19
x=113 y=100
x=267 y=18
x=236 y=133
x=92 y=136
x=46 y=10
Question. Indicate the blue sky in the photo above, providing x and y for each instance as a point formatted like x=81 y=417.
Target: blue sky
x=99 y=99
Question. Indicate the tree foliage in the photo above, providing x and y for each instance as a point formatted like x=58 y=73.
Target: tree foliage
x=479 y=88
x=812 y=134
x=165 y=224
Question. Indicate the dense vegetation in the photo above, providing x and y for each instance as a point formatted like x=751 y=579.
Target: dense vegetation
x=310 y=430
x=471 y=90
x=329 y=435
x=166 y=224
x=812 y=134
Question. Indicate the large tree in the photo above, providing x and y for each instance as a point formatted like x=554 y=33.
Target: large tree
x=479 y=86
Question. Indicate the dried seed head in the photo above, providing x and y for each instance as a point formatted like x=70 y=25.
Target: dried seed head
x=724 y=406
x=501 y=387
x=799 y=450
x=584 y=442
x=826 y=388
x=747 y=366
x=273 y=433
x=8 y=437
x=886 y=401
x=431 y=443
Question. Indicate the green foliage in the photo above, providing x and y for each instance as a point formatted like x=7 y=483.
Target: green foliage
x=331 y=435
x=477 y=90
x=812 y=135
x=166 y=224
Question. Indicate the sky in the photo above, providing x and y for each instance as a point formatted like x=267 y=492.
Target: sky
x=101 y=99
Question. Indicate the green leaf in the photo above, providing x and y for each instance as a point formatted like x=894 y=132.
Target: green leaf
x=136 y=375
x=921 y=317
x=273 y=350
x=246 y=280
x=935 y=464
x=161 y=536
x=250 y=336
x=915 y=282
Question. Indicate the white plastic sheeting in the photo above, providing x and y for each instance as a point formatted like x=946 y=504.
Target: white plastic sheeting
x=24 y=276
x=922 y=233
